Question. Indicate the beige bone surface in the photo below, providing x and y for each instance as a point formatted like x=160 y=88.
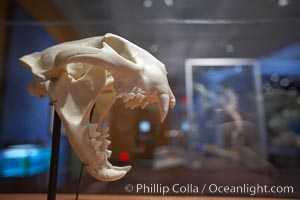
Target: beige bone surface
x=83 y=78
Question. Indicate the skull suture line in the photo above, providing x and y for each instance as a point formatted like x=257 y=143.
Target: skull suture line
x=83 y=78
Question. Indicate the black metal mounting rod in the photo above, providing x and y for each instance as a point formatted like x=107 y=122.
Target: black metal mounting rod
x=52 y=185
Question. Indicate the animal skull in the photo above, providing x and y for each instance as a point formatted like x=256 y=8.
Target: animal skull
x=83 y=78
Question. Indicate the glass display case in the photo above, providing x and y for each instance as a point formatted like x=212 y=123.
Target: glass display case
x=225 y=109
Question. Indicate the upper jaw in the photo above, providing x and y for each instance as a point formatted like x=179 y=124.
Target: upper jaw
x=134 y=100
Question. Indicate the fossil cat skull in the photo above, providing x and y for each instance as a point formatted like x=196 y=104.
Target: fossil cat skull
x=83 y=79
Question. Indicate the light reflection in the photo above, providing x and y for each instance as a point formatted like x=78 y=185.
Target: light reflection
x=284 y=82
x=169 y=2
x=147 y=3
x=274 y=77
x=154 y=48
x=229 y=48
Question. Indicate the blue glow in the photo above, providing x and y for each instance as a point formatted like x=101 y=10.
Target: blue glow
x=284 y=62
x=185 y=126
x=144 y=126
x=24 y=160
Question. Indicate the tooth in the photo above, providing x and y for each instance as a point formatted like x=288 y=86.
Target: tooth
x=163 y=104
x=140 y=98
x=129 y=104
x=131 y=95
x=108 y=153
x=134 y=106
x=172 y=102
x=105 y=133
x=105 y=130
x=93 y=126
x=96 y=144
x=125 y=168
x=107 y=142
x=101 y=155
x=152 y=101
x=94 y=134
x=104 y=147
x=144 y=104
x=121 y=95
x=126 y=98
x=107 y=174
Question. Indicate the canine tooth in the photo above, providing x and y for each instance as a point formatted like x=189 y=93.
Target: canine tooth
x=163 y=104
x=108 y=174
x=125 y=168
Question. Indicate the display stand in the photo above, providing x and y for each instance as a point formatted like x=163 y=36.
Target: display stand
x=52 y=185
x=54 y=157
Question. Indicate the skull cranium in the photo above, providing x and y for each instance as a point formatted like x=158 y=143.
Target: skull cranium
x=83 y=78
